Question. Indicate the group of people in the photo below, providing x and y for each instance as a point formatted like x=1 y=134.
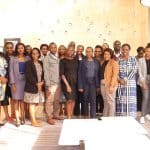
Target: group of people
x=99 y=80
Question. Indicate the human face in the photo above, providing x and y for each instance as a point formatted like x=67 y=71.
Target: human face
x=117 y=46
x=9 y=49
x=44 y=50
x=35 y=55
x=79 y=50
x=125 y=51
x=89 y=53
x=107 y=56
x=147 y=52
x=62 y=50
x=70 y=52
x=53 y=49
x=20 y=50
x=97 y=52
x=28 y=49
x=140 y=54
x=105 y=45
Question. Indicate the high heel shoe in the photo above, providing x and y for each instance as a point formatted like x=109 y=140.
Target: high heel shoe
x=22 y=122
x=17 y=123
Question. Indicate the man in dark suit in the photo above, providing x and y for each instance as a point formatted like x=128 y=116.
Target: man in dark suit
x=89 y=81
x=78 y=110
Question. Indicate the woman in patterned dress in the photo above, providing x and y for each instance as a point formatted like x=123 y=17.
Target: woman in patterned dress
x=34 y=83
x=126 y=99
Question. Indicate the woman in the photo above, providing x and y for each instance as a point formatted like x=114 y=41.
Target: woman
x=3 y=81
x=109 y=82
x=17 y=81
x=61 y=54
x=34 y=83
x=126 y=99
x=68 y=73
x=144 y=80
x=9 y=51
x=61 y=51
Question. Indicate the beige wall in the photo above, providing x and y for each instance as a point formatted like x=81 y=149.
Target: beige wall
x=87 y=22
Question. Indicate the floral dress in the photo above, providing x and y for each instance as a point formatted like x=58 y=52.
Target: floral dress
x=38 y=97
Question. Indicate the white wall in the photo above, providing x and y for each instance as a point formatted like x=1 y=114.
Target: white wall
x=88 y=22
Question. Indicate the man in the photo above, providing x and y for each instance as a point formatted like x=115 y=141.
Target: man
x=44 y=51
x=140 y=54
x=117 y=50
x=89 y=81
x=52 y=83
x=79 y=57
x=98 y=55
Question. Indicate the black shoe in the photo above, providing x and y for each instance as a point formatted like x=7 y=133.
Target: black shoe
x=2 y=124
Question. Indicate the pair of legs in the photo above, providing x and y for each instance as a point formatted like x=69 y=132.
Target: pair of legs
x=32 y=112
x=146 y=101
x=70 y=108
x=52 y=104
x=79 y=102
x=109 y=101
x=90 y=96
x=19 y=104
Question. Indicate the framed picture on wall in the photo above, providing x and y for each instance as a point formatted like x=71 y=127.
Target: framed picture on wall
x=13 y=40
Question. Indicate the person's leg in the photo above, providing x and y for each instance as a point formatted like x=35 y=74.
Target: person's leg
x=86 y=100
x=50 y=103
x=12 y=104
x=92 y=98
x=22 y=112
x=77 y=105
x=111 y=102
x=32 y=110
x=69 y=109
x=16 y=106
x=97 y=103
x=72 y=107
x=56 y=104
x=103 y=92
x=145 y=100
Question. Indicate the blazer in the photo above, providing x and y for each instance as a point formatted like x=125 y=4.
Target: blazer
x=31 y=77
x=142 y=70
x=111 y=74
x=14 y=74
x=82 y=82
x=51 y=70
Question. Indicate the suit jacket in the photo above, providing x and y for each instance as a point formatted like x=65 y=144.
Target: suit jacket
x=51 y=70
x=111 y=73
x=14 y=74
x=142 y=70
x=82 y=70
x=31 y=77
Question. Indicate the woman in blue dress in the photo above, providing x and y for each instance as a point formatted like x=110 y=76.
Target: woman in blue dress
x=17 y=81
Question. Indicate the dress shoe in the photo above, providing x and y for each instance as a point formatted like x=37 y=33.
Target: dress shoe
x=36 y=124
x=58 y=117
x=51 y=121
x=17 y=123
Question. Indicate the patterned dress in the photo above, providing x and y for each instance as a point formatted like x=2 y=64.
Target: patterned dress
x=126 y=96
x=3 y=67
x=38 y=97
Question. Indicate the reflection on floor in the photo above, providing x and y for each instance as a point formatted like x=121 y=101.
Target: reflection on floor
x=27 y=137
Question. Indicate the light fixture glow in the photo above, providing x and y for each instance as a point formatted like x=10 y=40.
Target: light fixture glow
x=145 y=3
